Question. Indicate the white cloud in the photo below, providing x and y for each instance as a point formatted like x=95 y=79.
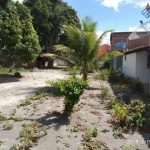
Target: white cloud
x=115 y=3
x=131 y=29
x=143 y=27
x=106 y=38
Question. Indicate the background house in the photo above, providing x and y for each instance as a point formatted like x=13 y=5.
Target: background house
x=103 y=49
x=135 y=62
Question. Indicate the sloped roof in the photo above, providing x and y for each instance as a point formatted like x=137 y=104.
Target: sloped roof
x=138 y=49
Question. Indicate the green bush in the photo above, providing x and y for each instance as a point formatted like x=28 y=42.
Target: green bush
x=72 y=89
x=136 y=114
x=103 y=75
x=118 y=78
x=120 y=111
x=137 y=86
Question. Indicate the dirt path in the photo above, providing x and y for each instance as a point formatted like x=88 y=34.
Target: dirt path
x=12 y=90
x=90 y=112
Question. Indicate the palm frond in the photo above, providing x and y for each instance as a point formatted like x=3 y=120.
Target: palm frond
x=104 y=33
x=65 y=60
x=111 y=54
x=89 y=25
x=62 y=48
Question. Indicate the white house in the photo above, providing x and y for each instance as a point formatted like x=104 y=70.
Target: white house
x=136 y=64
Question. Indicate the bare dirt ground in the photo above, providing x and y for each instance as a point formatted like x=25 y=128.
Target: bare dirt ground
x=88 y=113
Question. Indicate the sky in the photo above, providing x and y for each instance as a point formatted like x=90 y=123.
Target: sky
x=119 y=15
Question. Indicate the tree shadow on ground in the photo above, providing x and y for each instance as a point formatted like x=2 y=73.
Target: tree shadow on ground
x=53 y=120
x=6 y=78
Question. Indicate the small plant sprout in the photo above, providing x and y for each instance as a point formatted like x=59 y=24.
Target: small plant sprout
x=13 y=112
x=45 y=129
x=104 y=92
x=2 y=118
x=7 y=126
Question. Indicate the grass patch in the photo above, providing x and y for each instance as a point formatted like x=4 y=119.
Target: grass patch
x=7 y=126
x=2 y=117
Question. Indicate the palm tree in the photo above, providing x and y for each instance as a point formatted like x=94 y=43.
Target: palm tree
x=82 y=45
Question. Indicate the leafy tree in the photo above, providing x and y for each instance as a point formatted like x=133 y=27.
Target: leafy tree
x=29 y=48
x=83 y=45
x=3 y=3
x=10 y=31
x=18 y=37
x=49 y=16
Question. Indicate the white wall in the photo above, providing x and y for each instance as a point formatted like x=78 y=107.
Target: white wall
x=129 y=65
x=141 y=66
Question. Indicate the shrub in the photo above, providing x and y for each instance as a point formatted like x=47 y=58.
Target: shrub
x=136 y=114
x=72 y=89
x=30 y=134
x=104 y=74
x=2 y=118
x=137 y=86
x=104 y=92
x=7 y=126
x=116 y=77
x=125 y=81
x=120 y=111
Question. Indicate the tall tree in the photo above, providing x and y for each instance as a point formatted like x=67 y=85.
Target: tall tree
x=49 y=16
x=10 y=31
x=18 y=37
x=83 y=44
x=29 y=48
x=3 y=3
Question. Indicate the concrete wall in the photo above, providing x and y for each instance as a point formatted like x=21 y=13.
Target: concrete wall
x=129 y=65
x=135 y=66
x=141 y=66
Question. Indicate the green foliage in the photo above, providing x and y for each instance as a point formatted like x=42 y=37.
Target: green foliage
x=120 y=111
x=113 y=101
x=13 y=112
x=103 y=75
x=124 y=82
x=18 y=37
x=116 y=77
x=48 y=18
x=124 y=147
x=7 y=126
x=72 y=89
x=94 y=145
x=29 y=48
x=30 y=134
x=39 y=96
x=45 y=129
x=122 y=87
x=118 y=133
x=2 y=118
x=104 y=92
x=10 y=30
x=91 y=133
x=16 y=119
x=26 y=102
x=135 y=114
x=74 y=129
x=82 y=45
x=137 y=86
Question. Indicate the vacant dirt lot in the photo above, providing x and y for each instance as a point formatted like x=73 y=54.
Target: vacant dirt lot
x=63 y=132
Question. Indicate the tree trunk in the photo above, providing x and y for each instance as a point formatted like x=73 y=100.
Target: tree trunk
x=84 y=75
